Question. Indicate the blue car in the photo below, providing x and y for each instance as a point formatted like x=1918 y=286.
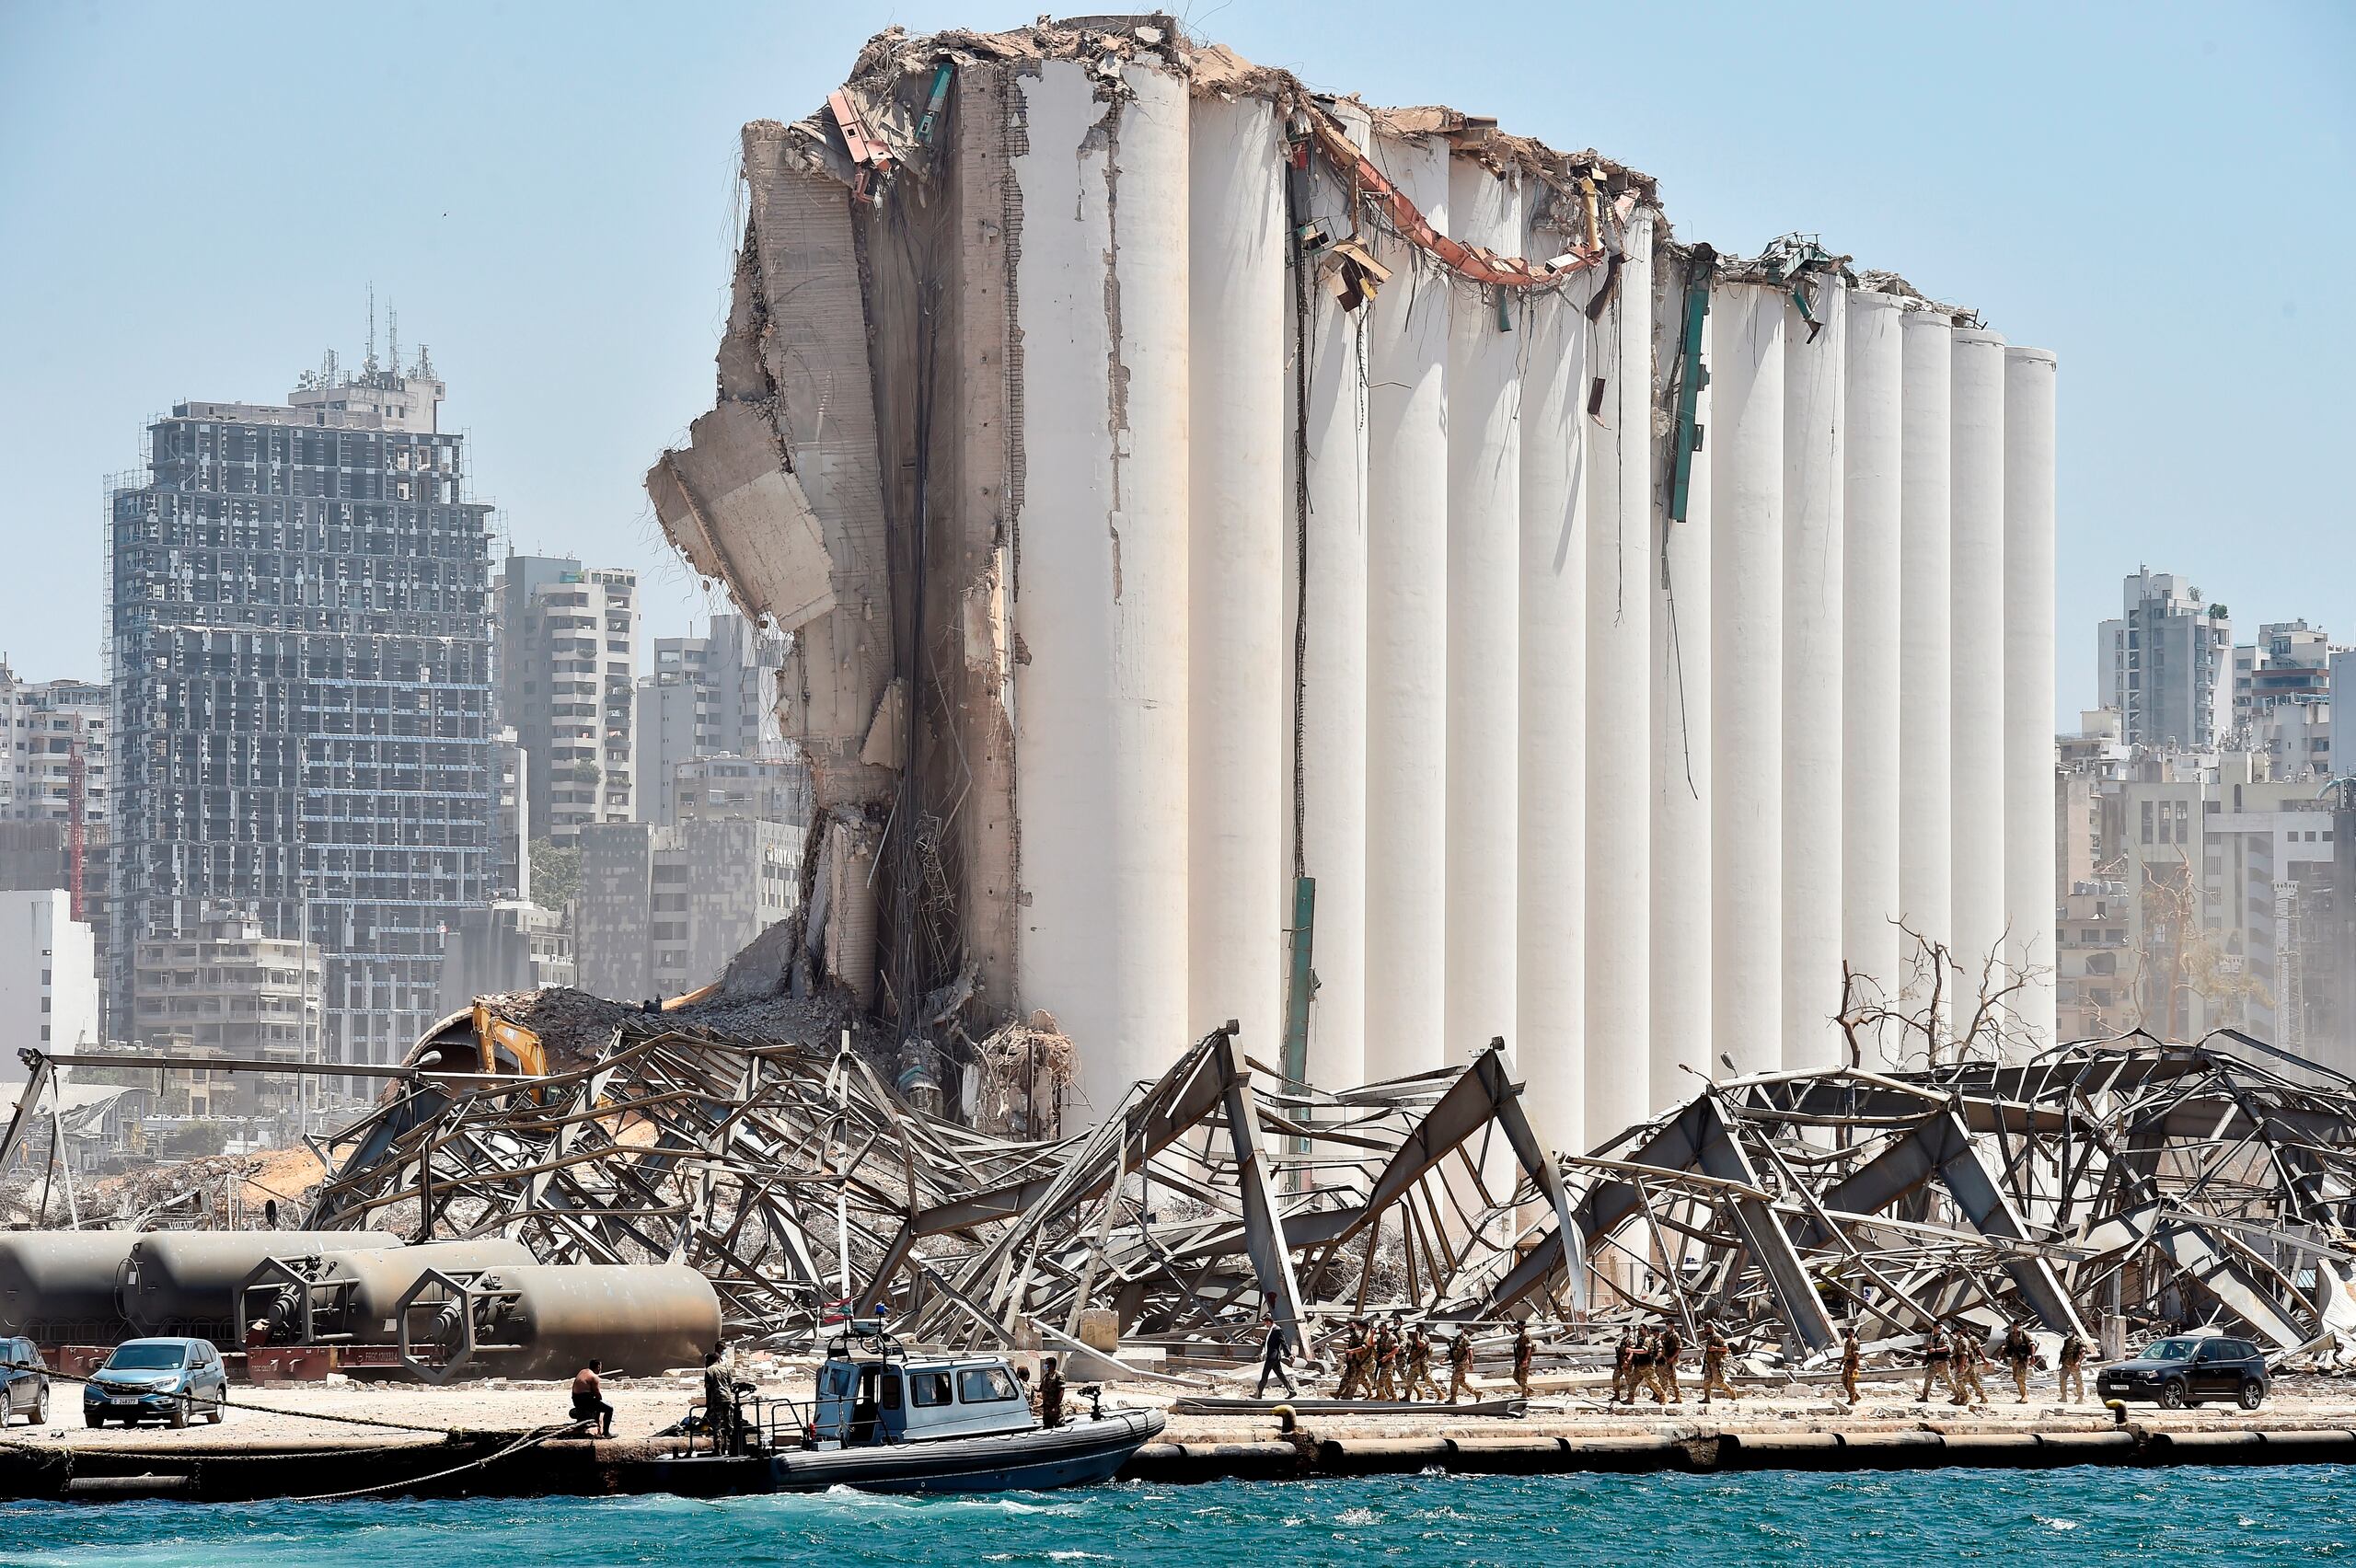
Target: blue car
x=172 y=1381
x=24 y=1382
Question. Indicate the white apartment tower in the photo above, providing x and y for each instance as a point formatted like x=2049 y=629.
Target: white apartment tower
x=567 y=649
x=2164 y=663
x=710 y=696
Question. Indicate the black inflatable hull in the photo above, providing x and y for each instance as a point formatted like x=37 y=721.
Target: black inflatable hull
x=1078 y=1453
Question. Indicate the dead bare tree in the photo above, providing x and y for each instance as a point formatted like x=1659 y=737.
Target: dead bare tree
x=1920 y=1018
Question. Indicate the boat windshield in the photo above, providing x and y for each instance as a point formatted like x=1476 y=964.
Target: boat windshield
x=982 y=1385
x=145 y=1358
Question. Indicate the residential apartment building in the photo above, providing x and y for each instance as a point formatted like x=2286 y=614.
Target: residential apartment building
x=57 y=768
x=49 y=984
x=741 y=789
x=710 y=696
x=2165 y=665
x=299 y=637
x=663 y=909
x=568 y=653
x=510 y=946
x=225 y=987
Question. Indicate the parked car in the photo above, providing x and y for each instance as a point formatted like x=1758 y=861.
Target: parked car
x=24 y=1382
x=2183 y=1370
x=174 y=1380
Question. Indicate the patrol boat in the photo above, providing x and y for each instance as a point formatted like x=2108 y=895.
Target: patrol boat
x=885 y=1421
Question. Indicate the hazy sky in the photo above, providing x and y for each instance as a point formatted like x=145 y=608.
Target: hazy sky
x=194 y=199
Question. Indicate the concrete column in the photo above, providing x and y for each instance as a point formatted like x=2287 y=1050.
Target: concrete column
x=1101 y=600
x=1814 y=422
x=1483 y=595
x=1682 y=778
x=1551 y=933
x=1334 y=670
x=2029 y=376
x=1869 y=652
x=1406 y=671
x=1620 y=574
x=1746 y=447
x=1925 y=869
x=1976 y=590
x=1241 y=336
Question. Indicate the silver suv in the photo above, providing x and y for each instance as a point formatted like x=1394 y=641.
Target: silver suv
x=174 y=1380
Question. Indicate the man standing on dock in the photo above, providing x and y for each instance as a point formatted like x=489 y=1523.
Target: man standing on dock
x=1386 y=1360
x=1666 y=1351
x=2070 y=1380
x=1419 y=1364
x=2019 y=1350
x=1524 y=1352
x=1853 y=1355
x=1970 y=1388
x=1274 y=1349
x=1623 y=1368
x=1355 y=1351
x=1714 y=1363
x=1937 y=1364
x=1459 y=1364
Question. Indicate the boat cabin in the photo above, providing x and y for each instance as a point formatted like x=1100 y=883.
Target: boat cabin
x=871 y=1390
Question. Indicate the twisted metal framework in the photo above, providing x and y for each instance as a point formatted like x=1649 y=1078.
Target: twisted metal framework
x=2129 y=1178
x=2126 y=1179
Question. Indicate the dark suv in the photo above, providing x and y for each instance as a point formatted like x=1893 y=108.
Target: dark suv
x=24 y=1382
x=2182 y=1371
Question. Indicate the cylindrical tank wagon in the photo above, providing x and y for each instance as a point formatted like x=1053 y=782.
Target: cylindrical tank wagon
x=187 y=1281
x=58 y=1287
x=353 y=1297
x=550 y=1320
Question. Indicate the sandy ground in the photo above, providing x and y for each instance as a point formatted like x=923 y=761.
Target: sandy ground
x=279 y=1416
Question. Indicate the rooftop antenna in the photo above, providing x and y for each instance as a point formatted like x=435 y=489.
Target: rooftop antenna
x=393 y=338
x=368 y=366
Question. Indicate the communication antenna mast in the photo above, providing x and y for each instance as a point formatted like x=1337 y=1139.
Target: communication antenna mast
x=368 y=365
x=393 y=339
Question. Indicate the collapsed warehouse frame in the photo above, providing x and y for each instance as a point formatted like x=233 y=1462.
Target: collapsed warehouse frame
x=2096 y=1189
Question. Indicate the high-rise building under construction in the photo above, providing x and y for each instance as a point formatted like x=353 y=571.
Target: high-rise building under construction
x=299 y=638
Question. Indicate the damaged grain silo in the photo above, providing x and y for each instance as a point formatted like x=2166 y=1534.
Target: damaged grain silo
x=1232 y=532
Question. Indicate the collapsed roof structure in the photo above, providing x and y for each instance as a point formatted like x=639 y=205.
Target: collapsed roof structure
x=2127 y=1180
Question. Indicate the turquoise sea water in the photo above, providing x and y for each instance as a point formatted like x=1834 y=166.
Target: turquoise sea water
x=1918 y=1519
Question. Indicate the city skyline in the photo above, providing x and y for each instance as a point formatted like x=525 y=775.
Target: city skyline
x=573 y=307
